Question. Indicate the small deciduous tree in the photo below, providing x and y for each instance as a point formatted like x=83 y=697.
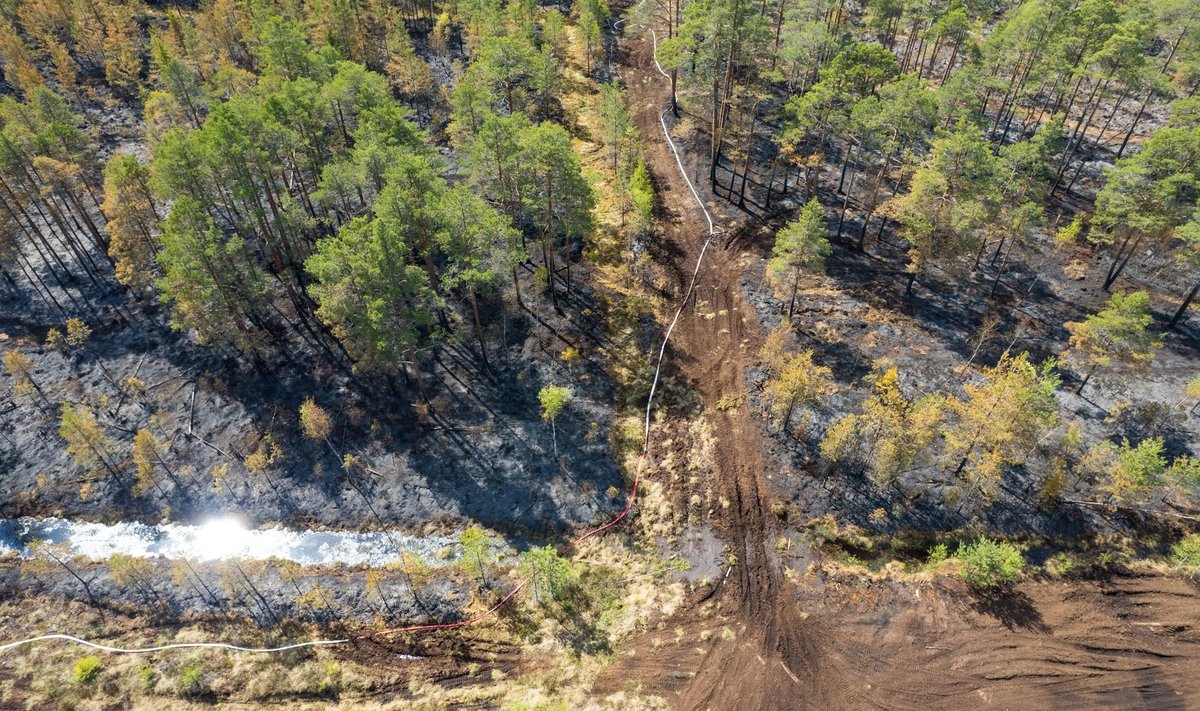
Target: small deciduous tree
x=1117 y=340
x=86 y=439
x=132 y=219
x=999 y=421
x=135 y=573
x=315 y=422
x=1130 y=472
x=77 y=334
x=477 y=556
x=551 y=574
x=795 y=381
x=20 y=367
x=892 y=433
x=60 y=554
x=417 y=574
x=373 y=587
x=148 y=453
x=553 y=399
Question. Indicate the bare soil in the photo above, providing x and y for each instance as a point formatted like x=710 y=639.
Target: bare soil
x=712 y=355
x=1124 y=643
x=757 y=638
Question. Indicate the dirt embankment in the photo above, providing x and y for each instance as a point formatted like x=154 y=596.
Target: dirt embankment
x=760 y=639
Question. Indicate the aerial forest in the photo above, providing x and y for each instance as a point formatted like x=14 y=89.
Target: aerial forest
x=773 y=290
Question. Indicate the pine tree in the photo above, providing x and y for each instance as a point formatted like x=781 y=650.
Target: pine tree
x=1117 y=341
x=479 y=245
x=717 y=44
x=950 y=199
x=558 y=200
x=368 y=291
x=1151 y=194
x=132 y=219
x=999 y=421
x=209 y=279
x=591 y=16
x=892 y=434
x=641 y=194
x=901 y=119
x=1189 y=234
x=617 y=130
x=800 y=247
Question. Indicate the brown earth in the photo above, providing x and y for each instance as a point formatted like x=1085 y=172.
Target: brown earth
x=759 y=639
x=712 y=355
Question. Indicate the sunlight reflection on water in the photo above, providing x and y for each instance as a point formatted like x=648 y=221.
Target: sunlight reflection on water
x=220 y=539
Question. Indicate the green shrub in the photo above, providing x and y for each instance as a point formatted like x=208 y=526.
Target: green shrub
x=1107 y=559
x=1069 y=233
x=331 y=683
x=937 y=554
x=148 y=676
x=552 y=574
x=1186 y=553
x=1060 y=564
x=87 y=669
x=987 y=563
x=191 y=680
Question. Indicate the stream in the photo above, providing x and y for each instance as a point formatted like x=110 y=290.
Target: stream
x=221 y=539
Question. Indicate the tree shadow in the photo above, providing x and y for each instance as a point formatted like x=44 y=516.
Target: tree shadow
x=1011 y=607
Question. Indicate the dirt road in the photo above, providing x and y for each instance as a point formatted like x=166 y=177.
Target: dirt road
x=782 y=650
x=763 y=640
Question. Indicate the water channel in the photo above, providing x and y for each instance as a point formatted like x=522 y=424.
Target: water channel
x=221 y=539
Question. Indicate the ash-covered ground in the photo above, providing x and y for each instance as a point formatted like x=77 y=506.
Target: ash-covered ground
x=938 y=336
x=479 y=451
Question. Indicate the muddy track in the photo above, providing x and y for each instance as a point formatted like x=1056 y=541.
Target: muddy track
x=809 y=642
x=781 y=650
